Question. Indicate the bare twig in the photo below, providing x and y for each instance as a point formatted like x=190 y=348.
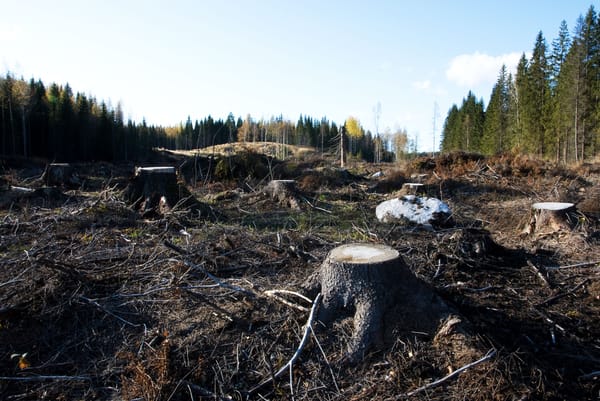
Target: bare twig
x=591 y=375
x=583 y=264
x=44 y=378
x=490 y=354
x=214 y=278
x=539 y=273
x=294 y=358
x=102 y=308
x=274 y=294
x=564 y=294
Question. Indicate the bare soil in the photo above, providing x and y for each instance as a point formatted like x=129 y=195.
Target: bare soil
x=100 y=303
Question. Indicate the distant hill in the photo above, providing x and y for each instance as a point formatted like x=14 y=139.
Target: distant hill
x=267 y=148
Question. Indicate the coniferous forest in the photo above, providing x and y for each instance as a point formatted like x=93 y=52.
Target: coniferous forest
x=549 y=108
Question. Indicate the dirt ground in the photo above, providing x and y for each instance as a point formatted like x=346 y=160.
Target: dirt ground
x=100 y=303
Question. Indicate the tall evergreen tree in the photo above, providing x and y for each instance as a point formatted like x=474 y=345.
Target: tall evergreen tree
x=558 y=127
x=495 y=127
x=536 y=107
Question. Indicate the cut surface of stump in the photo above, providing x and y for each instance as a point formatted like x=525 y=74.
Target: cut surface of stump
x=153 y=189
x=284 y=192
x=372 y=283
x=550 y=217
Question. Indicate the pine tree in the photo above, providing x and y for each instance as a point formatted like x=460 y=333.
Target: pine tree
x=495 y=128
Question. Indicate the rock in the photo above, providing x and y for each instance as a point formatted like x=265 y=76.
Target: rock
x=425 y=211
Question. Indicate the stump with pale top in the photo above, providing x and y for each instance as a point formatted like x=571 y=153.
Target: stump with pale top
x=153 y=189
x=371 y=283
x=60 y=175
x=284 y=192
x=550 y=217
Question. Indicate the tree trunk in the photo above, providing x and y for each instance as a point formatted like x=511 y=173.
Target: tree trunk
x=373 y=282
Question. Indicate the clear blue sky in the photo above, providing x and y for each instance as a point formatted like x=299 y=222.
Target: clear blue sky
x=167 y=60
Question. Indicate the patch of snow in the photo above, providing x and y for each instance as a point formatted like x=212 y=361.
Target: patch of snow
x=419 y=210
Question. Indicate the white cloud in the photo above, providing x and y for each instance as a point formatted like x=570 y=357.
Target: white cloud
x=469 y=70
x=9 y=33
x=422 y=85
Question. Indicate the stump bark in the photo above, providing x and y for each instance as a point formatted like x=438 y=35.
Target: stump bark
x=60 y=175
x=372 y=283
x=550 y=217
x=153 y=189
x=411 y=188
x=284 y=192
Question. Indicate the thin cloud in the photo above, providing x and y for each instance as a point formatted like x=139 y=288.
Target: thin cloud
x=9 y=33
x=422 y=85
x=469 y=70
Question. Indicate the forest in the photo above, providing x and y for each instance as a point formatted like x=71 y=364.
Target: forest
x=59 y=125
x=549 y=108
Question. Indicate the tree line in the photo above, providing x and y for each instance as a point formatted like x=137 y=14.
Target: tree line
x=550 y=107
x=57 y=124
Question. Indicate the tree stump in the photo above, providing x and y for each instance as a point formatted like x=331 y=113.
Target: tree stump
x=60 y=174
x=284 y=192
x=411 y=188
x=153 y=189
x=373 y=282
x=550 y=217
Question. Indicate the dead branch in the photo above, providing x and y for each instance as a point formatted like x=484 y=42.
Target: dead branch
x=102 y=308
x=538 y=272
x=583 y=264
x=274 y=294
x=564 y=294
x=490 y=354
x=45 y=378
x=199 y=268
x=290 y=363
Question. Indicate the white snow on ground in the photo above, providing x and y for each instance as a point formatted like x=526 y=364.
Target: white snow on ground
x=419 y=210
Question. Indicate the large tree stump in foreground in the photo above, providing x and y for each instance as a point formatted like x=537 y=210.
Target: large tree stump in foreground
x=153 y=189
x=373 y=282
x=550 y=217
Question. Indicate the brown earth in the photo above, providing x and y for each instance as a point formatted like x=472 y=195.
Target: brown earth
x=108 y=305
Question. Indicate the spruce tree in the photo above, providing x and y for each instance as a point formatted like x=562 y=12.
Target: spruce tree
x=536 y=105
x=495 y=128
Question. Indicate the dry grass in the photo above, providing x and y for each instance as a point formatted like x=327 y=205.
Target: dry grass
x=114 y=306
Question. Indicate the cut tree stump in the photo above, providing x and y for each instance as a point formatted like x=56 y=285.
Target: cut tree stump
x=284 y=192
x=60 y=175
x=550 y=217
x=153 y=189
x=372 y=282
x=411 y=188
